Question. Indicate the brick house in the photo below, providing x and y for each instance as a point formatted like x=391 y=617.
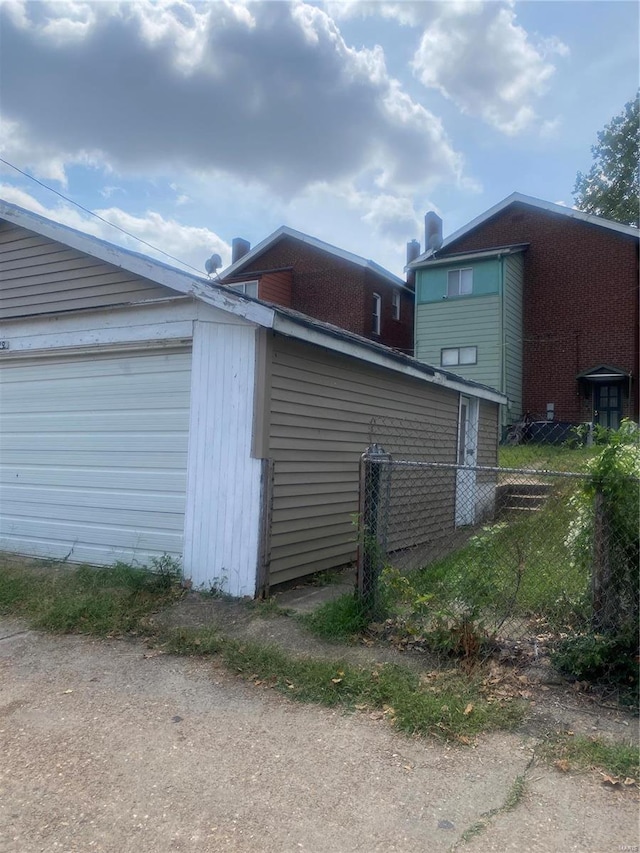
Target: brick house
x=297 y=271
x=541 y=302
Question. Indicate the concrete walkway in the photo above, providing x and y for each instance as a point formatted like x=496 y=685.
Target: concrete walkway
x=109 y=746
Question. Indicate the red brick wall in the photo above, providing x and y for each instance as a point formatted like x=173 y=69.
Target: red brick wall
x=580 y=304
x=336 y=291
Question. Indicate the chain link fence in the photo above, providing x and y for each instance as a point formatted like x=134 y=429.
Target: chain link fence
x=536 y=547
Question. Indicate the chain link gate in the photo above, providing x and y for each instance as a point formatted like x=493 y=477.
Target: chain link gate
x=529 y=560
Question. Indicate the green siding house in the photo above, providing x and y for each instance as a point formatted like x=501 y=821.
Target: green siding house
x=469 y=318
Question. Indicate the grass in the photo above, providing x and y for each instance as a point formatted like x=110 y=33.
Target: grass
x=520 y=568
x=118 y=600
x=87 y=600
x=448 y=705
x=340 y=619
x=546 y=457
x=577 y=752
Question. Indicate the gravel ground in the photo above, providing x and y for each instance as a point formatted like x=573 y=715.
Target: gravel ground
x=108 y=746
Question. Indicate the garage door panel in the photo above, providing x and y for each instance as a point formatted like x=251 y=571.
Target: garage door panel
x=97 y=443
x=109 y=421
x=106 y=535
x=120 y=479
x=120 y=459
x=112 y=542
x=73 y=503
x=93 y=455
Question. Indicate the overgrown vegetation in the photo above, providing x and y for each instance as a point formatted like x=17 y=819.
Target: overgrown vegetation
x=604 y=540
x=342 y=618
x=608 y=661
x=547 y=457
x=577 y=752
x=99 y=601
x=118 y=600
x=456 y=605
x=447 y=704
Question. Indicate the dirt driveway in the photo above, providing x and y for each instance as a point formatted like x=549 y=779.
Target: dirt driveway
x=106 y=746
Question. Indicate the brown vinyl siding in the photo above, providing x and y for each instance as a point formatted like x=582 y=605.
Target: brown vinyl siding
x=325 y=409
x=488 y=434
x=40 y=276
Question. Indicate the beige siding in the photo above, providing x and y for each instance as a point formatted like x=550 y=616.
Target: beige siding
x=325 y=409
x=488 y=433
x=40 y=276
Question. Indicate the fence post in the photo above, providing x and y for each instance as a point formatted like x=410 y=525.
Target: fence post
x=370 y=543
x=603 y=618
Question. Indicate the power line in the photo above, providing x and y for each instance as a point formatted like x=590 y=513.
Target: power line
x=101 y=218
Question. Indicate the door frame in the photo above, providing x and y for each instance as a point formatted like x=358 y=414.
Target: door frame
x=467 y=457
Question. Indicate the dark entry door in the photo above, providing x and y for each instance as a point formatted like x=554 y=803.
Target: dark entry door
x=607 y=406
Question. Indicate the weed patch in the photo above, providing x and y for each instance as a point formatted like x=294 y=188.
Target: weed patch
x=448 y=705
x=340 y=619
x=570 y=752
x=86 y=600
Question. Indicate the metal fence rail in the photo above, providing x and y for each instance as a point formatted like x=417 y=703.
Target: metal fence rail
x=522 y=554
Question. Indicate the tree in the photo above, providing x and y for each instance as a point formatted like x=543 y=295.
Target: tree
x=612 y=186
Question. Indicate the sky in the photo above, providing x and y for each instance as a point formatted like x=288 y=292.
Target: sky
x=188 y=124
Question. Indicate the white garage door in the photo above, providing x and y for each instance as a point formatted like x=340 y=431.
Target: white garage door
x=93 y=455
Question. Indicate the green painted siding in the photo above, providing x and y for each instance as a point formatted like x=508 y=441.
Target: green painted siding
x=513 y=280
x=431 y=284
x=475 y=321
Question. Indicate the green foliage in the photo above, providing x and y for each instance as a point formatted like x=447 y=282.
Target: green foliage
x=449 y=705
x=342 y=618
x=603 y=660
x=574 y=455
x=614 y=477
x=89 y=600
x=612 y=186
x=570 y=752
x=520 y=568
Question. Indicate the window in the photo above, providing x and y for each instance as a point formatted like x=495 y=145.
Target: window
x=459 y=282
x=249 y=288
x=395 y=305
x=454 y=356
x=377 y=305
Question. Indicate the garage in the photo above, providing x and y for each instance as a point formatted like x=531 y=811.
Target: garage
x=93 y=454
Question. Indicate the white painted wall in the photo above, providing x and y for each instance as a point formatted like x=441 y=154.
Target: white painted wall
x=222 y=516
x=222 y=508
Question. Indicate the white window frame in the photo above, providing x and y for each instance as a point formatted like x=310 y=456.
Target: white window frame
x=395 y=305
x=457 y=288
x=242 y=287
x=458 y=354
x=377 y=312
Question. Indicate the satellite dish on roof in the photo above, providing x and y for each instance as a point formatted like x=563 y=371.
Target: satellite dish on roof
x=213 y=264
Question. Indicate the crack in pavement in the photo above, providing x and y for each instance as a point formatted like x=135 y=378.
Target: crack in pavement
x=512 y=801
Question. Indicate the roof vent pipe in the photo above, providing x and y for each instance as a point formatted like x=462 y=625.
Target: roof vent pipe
x=239 y=248
x=432 y=231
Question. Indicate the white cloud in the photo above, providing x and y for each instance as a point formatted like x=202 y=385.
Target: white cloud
x=186 y=243
x=267 y=92
x=478 y=56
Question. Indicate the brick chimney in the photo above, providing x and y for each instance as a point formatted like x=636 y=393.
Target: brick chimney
x=413 y=250
x=432 y=231
x=239 y=248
